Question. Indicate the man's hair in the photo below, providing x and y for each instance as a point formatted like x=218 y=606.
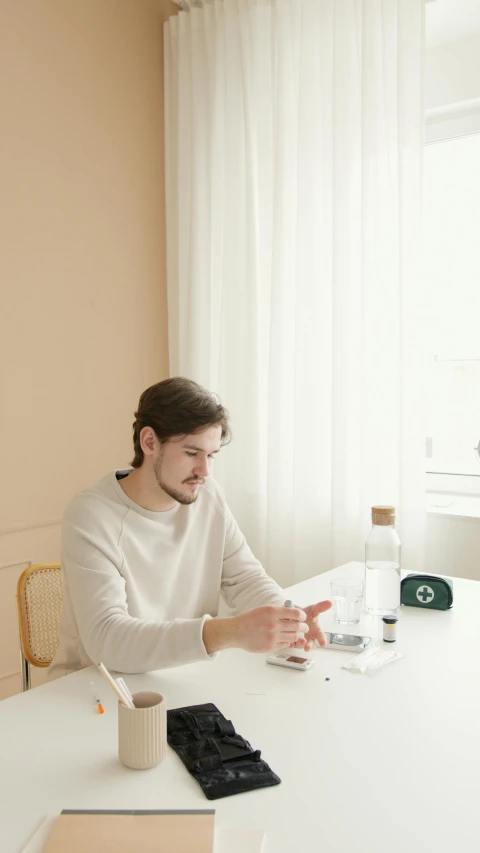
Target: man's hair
x=174 y=407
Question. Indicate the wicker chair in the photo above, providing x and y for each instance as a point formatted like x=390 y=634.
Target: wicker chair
x=39 y=608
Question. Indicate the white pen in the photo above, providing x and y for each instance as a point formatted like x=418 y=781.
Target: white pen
x=115 y=686
x=289 y=603
x=123 y=687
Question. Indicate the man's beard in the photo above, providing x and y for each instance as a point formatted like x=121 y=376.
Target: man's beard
x=180 y=497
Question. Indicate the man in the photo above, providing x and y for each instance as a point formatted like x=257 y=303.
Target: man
x=147 y=551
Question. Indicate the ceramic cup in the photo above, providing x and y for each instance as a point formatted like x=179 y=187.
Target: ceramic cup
x=142 y=731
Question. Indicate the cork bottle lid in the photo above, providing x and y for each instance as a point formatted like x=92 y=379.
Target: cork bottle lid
x=383 y=514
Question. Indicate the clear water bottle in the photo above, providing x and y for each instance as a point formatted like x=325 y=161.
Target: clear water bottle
x=382 y=564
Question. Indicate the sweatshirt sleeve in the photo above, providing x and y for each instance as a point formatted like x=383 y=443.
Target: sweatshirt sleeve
x=90 y=561
x=245 y=583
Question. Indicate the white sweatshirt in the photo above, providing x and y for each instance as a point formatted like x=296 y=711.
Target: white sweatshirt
x=138 y=585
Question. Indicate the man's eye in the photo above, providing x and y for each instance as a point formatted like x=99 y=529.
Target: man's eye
x=189 y=453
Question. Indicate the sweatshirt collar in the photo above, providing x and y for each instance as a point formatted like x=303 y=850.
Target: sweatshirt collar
x=147 y=513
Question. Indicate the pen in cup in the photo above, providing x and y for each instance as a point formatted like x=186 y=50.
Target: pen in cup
x=100 y=707
x=115 y=687
x=126 y=692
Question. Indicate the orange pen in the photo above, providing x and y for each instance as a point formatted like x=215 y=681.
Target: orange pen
x=97 y=698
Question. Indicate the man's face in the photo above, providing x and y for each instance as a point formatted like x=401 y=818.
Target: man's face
x=182 y=463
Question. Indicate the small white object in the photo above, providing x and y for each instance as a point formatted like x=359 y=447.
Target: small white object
x=291 y=661
x=126 y=692
x=114 y=686
x=372 y=659
x=345 y=642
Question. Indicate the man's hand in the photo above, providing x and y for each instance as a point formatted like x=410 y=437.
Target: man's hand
x=263 y=629
x=315 y=632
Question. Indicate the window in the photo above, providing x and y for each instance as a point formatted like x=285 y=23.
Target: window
x=452 y=273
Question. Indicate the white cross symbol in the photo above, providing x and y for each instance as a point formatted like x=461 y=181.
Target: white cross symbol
x=425 y=594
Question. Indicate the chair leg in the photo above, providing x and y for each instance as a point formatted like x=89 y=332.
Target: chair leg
x=25 y=669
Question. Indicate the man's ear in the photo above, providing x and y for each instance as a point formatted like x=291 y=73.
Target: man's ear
x=148 y=441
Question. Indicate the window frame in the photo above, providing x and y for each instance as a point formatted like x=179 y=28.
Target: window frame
x=445 y=124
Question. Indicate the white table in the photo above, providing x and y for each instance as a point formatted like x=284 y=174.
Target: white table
x=386 y=762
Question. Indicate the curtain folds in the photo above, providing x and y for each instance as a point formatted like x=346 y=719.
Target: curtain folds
x=294 y=137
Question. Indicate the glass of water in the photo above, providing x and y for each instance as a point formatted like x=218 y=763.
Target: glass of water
x=347 y=595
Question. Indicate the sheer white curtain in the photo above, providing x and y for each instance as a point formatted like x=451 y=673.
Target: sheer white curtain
x=294 y=147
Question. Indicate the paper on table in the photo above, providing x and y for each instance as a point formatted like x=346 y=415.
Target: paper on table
x=38 y=840
x=126 y=831
x=238 y=841
x=226 y=840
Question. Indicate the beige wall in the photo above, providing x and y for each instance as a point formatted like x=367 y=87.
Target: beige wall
x=82 y=260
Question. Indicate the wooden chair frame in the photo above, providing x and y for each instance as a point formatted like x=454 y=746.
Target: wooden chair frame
x=27 y=658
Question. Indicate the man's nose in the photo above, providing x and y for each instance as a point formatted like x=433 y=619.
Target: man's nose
x=201 y=468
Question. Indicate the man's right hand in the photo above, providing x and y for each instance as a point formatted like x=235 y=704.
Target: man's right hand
x=263 y=629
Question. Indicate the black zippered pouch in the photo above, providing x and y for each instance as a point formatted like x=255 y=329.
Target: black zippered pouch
x=222 y=761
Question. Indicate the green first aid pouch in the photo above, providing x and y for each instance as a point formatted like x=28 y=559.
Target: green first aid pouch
x=428 y=591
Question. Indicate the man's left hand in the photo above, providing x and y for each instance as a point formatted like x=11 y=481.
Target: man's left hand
x=314 y=630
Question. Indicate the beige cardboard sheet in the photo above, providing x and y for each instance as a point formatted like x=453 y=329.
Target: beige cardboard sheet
x=132 y=832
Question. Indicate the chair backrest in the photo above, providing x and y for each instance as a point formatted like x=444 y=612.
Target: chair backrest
x=39 y=608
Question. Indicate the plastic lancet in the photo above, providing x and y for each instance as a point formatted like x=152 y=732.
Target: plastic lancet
x=372 y=659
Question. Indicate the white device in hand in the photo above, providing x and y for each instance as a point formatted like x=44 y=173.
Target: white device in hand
x=346 y=642
x=290 y=661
